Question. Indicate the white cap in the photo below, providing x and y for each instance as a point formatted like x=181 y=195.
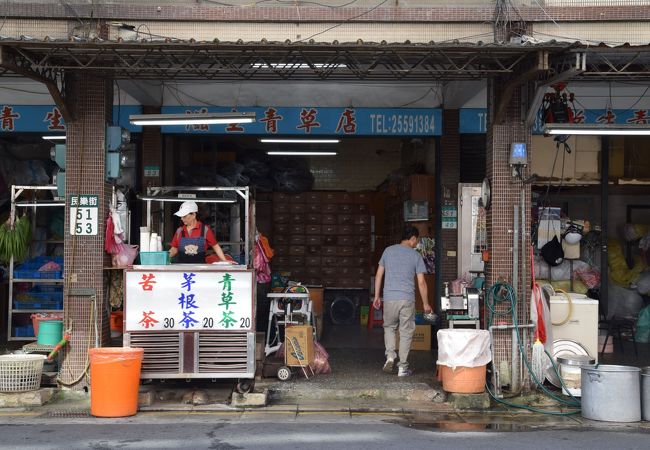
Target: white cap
x=186 y=208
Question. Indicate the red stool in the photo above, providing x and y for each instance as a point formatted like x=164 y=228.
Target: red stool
x=372 y=320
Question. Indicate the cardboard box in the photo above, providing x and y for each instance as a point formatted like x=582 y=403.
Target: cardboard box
x=318 y=319
x=421 y=338
x=543 y=152
x=316 y=297
x=299 y=345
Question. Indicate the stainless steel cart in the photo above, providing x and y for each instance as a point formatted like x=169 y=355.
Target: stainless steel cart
x=215 y=337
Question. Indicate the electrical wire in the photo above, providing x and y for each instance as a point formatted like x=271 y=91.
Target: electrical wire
x=345 y=21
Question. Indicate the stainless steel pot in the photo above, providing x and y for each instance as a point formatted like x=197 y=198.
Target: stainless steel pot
x=611 y=393
x=645 y=393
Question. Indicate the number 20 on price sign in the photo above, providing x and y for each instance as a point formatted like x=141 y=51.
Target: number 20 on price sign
x=84 y=214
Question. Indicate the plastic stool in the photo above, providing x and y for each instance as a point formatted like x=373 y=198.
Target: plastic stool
x=372 y=322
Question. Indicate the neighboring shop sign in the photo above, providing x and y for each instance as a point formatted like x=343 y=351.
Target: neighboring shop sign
x=185 y=300
x=84 y=215
x=474 y=120
x=151 y=171
x=48 y=119
x=449 y=216
x=313 y=121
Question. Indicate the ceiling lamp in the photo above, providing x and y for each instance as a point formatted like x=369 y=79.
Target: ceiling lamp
x=184 y=199
x=298 y=141
x=58 y=137
x=596 y=129
x=301 y=153
x=192 y=119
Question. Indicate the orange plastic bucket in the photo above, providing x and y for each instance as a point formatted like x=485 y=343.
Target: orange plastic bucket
x=117 y=321
x=114 y=381
x=464 y=380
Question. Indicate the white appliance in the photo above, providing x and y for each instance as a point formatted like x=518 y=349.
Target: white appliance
x=581 y=321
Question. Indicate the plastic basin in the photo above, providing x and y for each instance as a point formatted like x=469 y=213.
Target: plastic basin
x=50 y=332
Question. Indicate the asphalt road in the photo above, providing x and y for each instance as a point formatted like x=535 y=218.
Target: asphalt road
x=212 y=430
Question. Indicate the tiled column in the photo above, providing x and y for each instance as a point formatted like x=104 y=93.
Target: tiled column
x=506 y=193
x=91 y=97
x=449 y=178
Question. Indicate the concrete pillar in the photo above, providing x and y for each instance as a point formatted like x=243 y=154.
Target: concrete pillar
x=91 y=99
x=506 y=191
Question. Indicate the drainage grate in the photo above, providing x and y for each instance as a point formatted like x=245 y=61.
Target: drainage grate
x=67 y=414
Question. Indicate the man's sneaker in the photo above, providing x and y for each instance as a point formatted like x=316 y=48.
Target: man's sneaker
x=404 y=372
x=388 y=365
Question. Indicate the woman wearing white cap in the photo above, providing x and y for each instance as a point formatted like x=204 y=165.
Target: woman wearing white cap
x=192 y=239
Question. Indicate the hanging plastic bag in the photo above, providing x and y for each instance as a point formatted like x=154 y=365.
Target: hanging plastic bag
x=261 y=264
x=126 y=256
x=321 y=359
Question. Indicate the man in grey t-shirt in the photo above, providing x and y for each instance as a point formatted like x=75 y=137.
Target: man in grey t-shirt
x=401 y=263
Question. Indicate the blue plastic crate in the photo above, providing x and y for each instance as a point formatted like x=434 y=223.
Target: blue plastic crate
x=38 y=304
x=53 y=296
x=29 y=269
x=24 y=331
x=29 y=274
x=48 y=288
x=154 y=258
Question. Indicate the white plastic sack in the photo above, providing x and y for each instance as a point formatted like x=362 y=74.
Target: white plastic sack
x=643 y=283
x=463 y=348
x=622 y=302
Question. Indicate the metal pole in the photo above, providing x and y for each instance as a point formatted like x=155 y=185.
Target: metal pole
x=604 y=204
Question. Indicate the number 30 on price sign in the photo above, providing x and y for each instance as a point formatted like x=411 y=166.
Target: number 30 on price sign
x=84 y=214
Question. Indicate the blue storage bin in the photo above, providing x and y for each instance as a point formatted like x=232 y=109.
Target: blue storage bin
x=48 y=288
x=38 y=304
x=24 y=331
x=29 y=269
x=154 y=258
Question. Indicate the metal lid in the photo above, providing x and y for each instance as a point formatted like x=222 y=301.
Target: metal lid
x=576 y=360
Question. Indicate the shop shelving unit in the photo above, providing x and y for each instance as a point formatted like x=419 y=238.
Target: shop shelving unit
x=19 y=201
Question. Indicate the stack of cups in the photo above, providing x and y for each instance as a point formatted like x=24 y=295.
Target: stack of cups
x=145 y=239
x=153 y=242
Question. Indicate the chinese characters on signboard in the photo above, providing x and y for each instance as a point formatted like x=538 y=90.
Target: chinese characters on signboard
x=186 y=300
x=84 y=215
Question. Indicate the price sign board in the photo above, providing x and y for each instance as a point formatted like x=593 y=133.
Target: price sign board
x=84 y=215
x=187 y=300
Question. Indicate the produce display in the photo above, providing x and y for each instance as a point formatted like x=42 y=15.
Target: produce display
x=14 y=240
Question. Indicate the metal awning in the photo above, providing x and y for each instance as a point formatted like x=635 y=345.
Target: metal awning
x=269 y=61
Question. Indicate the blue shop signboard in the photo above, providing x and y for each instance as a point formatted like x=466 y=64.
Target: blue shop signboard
x=303 y=121
x=48 y=118
x=314 y=121
x=474 y=120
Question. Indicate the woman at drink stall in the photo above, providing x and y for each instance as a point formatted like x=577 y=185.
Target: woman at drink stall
x=192 y=240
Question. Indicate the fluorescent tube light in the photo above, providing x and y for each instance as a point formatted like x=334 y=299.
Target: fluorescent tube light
x=59 y=137
x=596 y=129
x=296 y=66
x=192 y=119
x=298 y=141
x=184 y=199
x=299 y=153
